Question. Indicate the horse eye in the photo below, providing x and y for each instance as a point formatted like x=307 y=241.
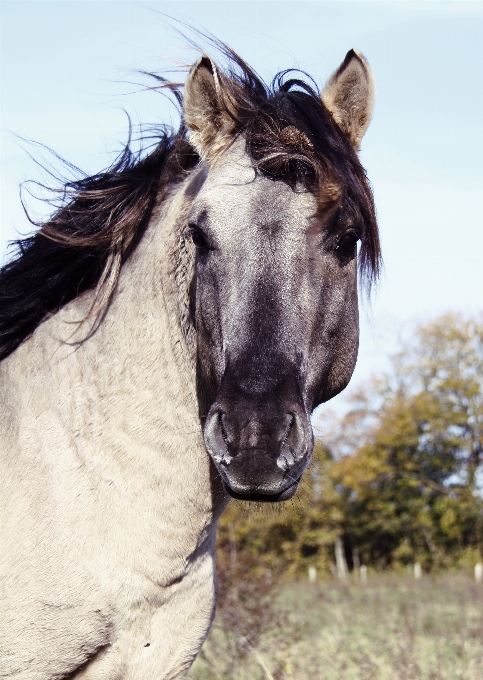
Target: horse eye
x=198 y=237
x=346 y=246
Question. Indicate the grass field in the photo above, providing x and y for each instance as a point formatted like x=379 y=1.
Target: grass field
x=393 y=628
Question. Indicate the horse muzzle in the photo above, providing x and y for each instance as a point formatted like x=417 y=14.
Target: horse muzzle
x=260 y=448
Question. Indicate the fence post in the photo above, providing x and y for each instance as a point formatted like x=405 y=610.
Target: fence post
x=363 y=574
x=340 y=562
x=479 y=572
x=418 y=572
x=312 y=574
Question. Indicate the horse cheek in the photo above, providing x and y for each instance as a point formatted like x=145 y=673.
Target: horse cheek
x=335 y=339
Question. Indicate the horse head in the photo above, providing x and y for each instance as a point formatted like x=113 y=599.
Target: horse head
x=279 y=203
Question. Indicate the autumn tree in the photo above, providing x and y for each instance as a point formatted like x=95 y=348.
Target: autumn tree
x=412 y=487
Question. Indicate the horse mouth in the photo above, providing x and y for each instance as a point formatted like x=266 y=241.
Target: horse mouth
x=278 y=497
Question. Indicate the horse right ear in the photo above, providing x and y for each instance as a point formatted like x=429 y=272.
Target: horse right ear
x=208 y=109
x=349 y=96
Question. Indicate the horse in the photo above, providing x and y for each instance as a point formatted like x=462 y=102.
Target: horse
x=164 y=338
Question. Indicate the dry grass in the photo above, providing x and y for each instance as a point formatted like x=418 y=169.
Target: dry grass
x=393 y=628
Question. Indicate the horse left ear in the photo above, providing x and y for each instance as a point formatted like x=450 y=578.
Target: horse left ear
x=208 y=109
x=349 y=96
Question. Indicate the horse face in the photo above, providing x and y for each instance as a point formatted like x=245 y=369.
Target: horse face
x=276 y=320
x=276 y=286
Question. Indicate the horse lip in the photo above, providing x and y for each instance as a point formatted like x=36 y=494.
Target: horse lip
x=283 y=495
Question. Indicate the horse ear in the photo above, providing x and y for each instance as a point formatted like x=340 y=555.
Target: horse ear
x=208 y=109
x=349 y=96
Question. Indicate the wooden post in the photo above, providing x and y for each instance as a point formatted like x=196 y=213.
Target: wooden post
x=312 y=574
x=418 y=572
x=340 y=562
x=363 y=574
x=478 y=572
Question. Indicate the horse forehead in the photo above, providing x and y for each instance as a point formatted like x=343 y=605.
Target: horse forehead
x=234 y=190
x=233 y=167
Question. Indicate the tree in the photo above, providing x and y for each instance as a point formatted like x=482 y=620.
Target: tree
x=412 y=488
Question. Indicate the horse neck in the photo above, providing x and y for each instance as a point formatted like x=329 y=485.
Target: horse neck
x=134 y=402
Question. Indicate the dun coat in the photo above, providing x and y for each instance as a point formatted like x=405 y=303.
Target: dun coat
x=165 y=337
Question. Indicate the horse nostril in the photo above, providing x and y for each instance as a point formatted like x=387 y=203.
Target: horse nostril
x=289 y=428
x=293 y=446
x=222 y=427
x=216 y=437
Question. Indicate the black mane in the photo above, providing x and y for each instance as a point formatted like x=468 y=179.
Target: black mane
x=68 y=254
x=101 y=218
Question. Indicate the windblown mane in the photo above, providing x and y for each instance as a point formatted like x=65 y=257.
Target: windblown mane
x=290 y=137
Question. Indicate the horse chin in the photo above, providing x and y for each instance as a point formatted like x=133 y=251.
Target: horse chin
x=284 y=495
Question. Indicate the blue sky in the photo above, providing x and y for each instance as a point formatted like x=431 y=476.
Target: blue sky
x=65 y=68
